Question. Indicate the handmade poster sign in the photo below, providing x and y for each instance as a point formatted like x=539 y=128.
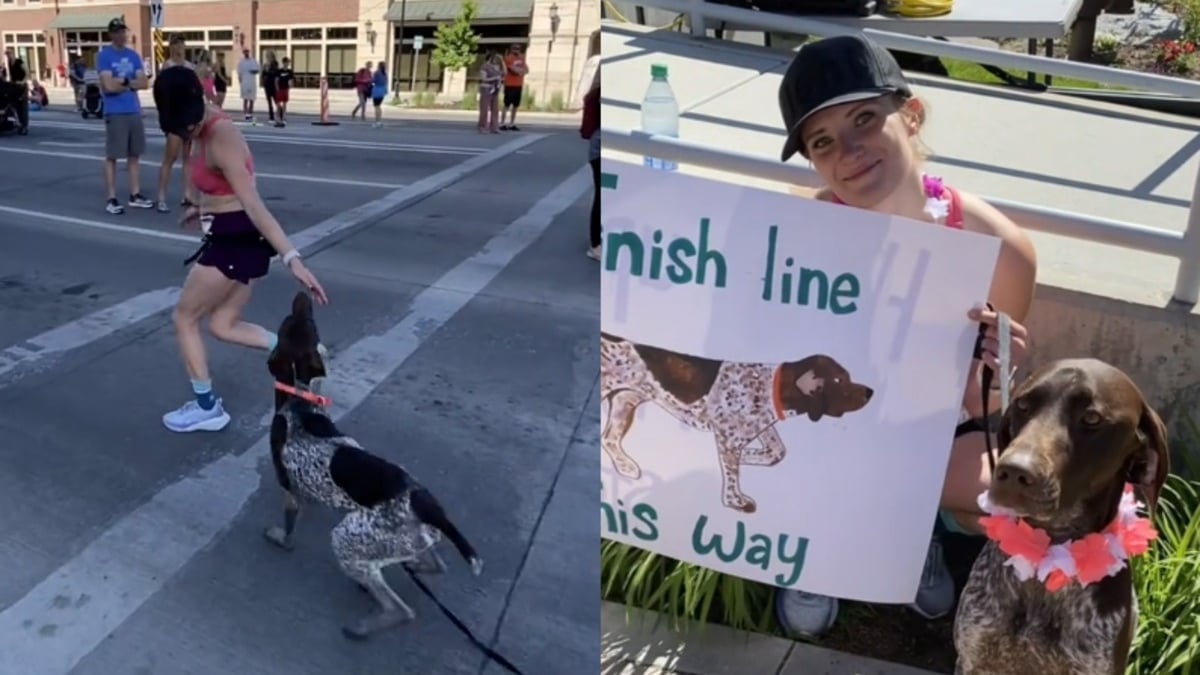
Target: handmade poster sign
x=780 y=380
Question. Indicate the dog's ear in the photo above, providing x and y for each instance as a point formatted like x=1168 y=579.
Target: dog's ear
x=812 y=387
x=1151 y=462
x=302 y=305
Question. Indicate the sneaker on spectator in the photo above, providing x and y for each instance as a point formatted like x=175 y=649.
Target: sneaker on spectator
x=935 y=595
x=114 y=207
x=137 y=201
x=802 y=614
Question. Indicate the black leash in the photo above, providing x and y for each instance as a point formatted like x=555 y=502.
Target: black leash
x=462 y=627
x=988 y=375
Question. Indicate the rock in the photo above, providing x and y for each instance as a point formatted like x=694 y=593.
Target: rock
x=1148 y=23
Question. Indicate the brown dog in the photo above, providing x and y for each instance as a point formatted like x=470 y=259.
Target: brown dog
x=1075 y=434
x=739 y=403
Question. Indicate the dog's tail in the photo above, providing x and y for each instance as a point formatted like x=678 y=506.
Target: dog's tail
x=427 y=508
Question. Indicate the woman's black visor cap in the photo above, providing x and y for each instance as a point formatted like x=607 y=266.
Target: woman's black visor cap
x=830 y=72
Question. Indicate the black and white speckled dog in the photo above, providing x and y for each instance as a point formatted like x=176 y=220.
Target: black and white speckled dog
x=392 y=518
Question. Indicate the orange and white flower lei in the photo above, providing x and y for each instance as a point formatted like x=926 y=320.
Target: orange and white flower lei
x=1087 y=560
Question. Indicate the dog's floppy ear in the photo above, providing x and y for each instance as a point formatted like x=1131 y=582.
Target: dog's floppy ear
x=1150 y=463
x=302 y=305
x=812 y=387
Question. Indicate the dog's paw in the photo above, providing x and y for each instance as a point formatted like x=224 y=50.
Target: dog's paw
x=276 y=535
x=742 y=503
x=375 y=622
x=627 y=468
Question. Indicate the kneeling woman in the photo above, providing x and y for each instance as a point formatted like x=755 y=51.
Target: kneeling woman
x=241 y=237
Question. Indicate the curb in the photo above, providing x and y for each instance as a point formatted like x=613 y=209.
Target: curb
x=305 y=102
x=641 y=642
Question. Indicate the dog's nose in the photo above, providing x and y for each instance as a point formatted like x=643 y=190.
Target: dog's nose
x=1017 y=475
x=868 y=393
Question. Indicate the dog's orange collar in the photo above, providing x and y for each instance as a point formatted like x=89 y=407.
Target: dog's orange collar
x=777 y=393
x=315 y=399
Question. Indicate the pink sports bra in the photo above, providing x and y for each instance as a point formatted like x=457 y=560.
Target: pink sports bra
x=208 y=180
x=954 y=215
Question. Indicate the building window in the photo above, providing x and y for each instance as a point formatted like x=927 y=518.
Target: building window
x=192 y=36
x=272 y=35
x=343 y=33
x=340 y=66
x=306 y=34
x=265 y=52
x=306 y=63
x=220 y=36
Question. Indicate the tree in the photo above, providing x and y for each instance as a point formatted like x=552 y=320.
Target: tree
x=457 y=43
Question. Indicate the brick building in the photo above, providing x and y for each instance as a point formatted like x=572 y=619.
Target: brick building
x=324 y=38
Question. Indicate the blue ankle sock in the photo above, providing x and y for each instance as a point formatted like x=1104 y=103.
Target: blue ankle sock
x=204 y=394
x=272 y=340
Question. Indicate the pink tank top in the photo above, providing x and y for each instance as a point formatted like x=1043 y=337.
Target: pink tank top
x=206 y=179
x=954 y=215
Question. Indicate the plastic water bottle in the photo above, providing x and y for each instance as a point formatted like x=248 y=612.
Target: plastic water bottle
x=660 y=114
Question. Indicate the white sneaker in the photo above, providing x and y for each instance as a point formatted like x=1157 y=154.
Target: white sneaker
x=191 y=417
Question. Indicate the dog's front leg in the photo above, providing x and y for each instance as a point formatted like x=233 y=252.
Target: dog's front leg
x=771 y=452
x=731 y=489
x=282 y=536
x=428 y=562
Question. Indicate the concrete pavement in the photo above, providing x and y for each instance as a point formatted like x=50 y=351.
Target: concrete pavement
x=462 y=324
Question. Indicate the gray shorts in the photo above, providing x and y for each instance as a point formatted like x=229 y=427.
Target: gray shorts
x=124 y=136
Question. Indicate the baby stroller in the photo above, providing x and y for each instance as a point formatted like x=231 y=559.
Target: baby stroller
x=91 y=101
x=14 y=111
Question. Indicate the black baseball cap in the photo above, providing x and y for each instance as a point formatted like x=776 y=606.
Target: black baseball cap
x=833 y=71
x=179 y=97
x=116 y=25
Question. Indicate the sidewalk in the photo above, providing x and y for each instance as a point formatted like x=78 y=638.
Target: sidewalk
x=308 y=102
x=645 y=645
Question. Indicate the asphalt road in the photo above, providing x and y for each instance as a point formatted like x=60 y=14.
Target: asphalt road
x=462 y=322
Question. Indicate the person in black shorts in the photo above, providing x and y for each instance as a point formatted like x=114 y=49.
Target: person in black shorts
x=220 y=79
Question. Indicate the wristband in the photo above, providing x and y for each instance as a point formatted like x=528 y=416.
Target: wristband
x=288 y=257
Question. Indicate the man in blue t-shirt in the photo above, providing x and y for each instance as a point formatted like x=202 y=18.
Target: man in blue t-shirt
x=122 y=74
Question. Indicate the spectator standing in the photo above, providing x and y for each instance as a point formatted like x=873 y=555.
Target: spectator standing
x=515 y=70
x=490 y=78
x=122 y=75
x=363 y=85
x=379 y=89
x=283 y=88
x=590 y=129
x=247 y=72
x=269 y=75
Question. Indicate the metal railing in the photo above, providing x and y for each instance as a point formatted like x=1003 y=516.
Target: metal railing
x=1183 y=246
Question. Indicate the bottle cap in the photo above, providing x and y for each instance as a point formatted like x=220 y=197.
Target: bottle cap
x=658 y=70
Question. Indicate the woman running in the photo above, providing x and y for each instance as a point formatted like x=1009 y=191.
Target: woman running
x=850 y=112
x=241 y=236
x=177 y=146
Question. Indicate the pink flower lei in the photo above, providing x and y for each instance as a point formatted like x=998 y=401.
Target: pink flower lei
x=1087 y=560
x=935 y=202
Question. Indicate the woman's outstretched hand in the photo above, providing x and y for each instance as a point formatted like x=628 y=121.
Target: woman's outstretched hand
x=308 y=280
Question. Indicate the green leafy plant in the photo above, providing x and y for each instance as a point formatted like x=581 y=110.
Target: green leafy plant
x=1167 y=584
x=640 y=578
x=1106 y=48
x=457 y=43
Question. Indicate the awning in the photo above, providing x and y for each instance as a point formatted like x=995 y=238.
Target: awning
x=92 y=21
x=438 y=11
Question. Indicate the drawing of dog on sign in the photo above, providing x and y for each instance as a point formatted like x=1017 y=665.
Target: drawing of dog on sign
x=739 y=403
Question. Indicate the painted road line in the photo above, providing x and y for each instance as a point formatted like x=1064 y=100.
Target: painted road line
x=138 y=555
x=332 y=230
x=96 y=326
x=99 y=225
x=272 y=176
x=85 y=330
